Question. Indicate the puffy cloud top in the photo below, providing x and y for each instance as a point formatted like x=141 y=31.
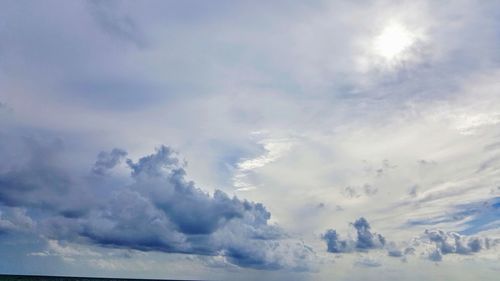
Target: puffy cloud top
x=159 y=211
x=365 y=239
x=454 y=243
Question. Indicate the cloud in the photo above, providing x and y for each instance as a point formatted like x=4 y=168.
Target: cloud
x=15 y=220
x=116 y=23
x=31 y=174
x=367 y=262
x=474 y=217
x=365 y=239
x=133 y=75
x=108 y=160
x=273 y=150
x=333 y=243
x=187 y=220
x=158 y=211
x=433 y=243
x=352 y=192
x=393 y=250
x=453 y=243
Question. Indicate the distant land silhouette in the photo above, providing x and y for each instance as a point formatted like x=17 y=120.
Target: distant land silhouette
x=8 y=277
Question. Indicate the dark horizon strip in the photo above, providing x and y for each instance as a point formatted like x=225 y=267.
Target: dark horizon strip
x=9 y=277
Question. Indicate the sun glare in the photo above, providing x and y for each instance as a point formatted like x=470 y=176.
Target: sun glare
x=393 y=41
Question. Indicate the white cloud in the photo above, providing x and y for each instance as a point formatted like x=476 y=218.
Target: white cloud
x=333 y=108
x=274 y=149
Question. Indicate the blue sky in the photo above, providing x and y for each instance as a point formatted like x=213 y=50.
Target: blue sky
x=281 y=140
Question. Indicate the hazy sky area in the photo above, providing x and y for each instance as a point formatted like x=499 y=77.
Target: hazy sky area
x=250 y=140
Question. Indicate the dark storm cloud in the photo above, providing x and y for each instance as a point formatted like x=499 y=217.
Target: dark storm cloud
x=159 y=211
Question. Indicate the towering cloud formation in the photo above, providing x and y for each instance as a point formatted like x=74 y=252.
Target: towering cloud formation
x=367 y=239
x=159 y=211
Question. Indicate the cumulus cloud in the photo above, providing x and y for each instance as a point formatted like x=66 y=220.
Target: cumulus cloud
x=159 y=211
x=433 y=244
x=365 y=239
x=454 y=243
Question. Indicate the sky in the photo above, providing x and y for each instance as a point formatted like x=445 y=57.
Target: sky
x=223 y=140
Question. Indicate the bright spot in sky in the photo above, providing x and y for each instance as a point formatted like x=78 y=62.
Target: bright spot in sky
x=393 y=41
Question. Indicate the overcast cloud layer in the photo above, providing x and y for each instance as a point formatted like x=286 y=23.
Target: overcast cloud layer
x=282 y=140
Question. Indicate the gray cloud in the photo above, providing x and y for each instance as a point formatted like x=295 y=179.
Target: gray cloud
x=367 y=262
x=15 y=220
x=129 y=73
x=475 y=216
x=333 y=242
x=108 y=160
x=358 y=191
x=393 y=250
x=365 y=239
x=454 y=243
x=32 y=174
x=116 y=23
x=159 y=211
x=444 y=243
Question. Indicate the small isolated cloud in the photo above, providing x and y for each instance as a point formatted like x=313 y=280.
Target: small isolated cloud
x=353 y=192
x=364 y=241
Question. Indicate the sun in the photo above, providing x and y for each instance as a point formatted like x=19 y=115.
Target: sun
x=393 y=41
